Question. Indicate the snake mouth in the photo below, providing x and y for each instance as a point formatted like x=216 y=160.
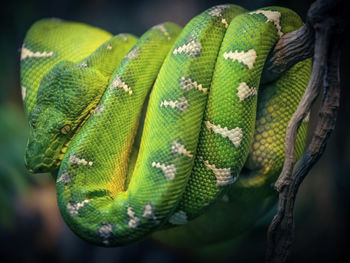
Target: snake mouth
x=42 y=159
x=42 y=163
x=36 y=165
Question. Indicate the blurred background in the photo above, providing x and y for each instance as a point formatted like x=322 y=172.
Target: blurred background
x=31 y=228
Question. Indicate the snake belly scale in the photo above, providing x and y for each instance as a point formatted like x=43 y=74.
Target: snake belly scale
x=144 y=134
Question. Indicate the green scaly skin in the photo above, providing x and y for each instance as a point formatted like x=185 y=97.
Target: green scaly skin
x=165 y=130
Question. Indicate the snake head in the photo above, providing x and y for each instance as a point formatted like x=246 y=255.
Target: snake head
x=48 y=134
x=66 y=97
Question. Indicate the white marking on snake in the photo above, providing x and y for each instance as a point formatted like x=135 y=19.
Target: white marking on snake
x=271 y=16
x=188 y=84
x=169 y=171
x=99 y=109
x=223 y=175
x=73 y=208
x=179 y=148
x=123 y=36
x=148 y=212
x=64 y=178
x=217 y=10
x=247 y=58
x=244 y=91
x=134 y=221
x=74 y=159
x=118 y=83
x=105 y=232
x=24 y=92
x=162 y=28
x=192 y=48
x=27 y=53
x=133 y=53
x=178 y=218
x=179 y=104
x=234 y=135
x=83 y=64
x=109 y=47
x=224 y=21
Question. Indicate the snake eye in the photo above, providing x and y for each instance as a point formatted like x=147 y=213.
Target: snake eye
x=65 y=129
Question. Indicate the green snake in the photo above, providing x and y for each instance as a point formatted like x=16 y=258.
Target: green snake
x=169 y=129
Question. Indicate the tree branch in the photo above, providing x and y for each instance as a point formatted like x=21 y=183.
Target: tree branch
x=320 y=38
x=290 y=49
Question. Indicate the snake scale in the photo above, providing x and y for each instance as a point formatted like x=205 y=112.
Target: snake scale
x=169 y=129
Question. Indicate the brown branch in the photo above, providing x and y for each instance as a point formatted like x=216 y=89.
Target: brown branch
x=326 y=21
x=290 y=49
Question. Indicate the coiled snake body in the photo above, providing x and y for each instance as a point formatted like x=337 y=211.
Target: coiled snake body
x=144 y=134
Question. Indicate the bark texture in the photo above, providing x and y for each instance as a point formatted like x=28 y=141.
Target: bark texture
x=320 y=38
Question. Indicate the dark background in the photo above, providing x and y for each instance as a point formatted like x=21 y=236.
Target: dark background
x=31 y=229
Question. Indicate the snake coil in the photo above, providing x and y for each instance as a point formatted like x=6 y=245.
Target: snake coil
x=165 y=130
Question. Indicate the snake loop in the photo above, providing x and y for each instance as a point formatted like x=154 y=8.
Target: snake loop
x=172 y=128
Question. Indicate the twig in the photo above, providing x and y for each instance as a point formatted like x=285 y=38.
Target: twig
x=326 y=22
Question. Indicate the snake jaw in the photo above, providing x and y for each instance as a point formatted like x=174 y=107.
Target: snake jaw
x=45 y=143
x=39 y=159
